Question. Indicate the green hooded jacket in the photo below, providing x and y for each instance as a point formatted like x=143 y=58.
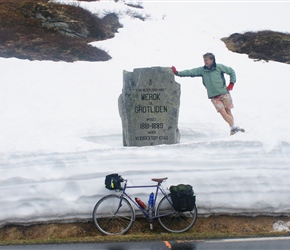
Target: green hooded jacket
x=213 y=78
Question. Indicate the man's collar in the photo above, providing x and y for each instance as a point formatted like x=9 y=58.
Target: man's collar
x=211 y=67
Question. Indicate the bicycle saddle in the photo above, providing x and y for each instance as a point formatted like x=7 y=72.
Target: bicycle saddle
x=159 y=180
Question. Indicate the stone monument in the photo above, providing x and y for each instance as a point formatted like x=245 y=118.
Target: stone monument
x=149 y=107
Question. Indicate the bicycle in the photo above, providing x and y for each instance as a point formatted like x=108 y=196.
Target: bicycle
x=114 y=214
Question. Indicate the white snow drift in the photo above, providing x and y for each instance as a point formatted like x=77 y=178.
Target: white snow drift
x=60 y=130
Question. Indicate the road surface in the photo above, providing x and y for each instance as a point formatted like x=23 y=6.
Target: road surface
x=272 y=243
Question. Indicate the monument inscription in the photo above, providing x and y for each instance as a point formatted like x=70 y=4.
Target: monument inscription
x=149 y=107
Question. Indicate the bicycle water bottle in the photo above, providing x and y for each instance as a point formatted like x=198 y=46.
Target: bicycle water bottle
x=151 y=200
x=150 y=211
x=140 y=203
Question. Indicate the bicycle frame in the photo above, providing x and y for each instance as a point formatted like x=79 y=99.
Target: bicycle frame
x=115 y=214
x=146 y=213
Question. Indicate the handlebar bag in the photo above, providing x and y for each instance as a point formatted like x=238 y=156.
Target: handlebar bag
x=113 y=181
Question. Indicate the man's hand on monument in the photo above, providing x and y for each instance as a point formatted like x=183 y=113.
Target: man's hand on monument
x=230 y=87
x=174 y=70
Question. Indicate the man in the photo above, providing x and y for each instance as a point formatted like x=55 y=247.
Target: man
x=213 y=79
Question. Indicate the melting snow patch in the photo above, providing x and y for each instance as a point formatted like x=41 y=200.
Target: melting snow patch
x=279 y=226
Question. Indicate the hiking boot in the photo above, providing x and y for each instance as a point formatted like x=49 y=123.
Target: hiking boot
x=236 y=129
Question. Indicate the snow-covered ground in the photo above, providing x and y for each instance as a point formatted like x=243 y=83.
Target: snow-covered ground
x=60 y=130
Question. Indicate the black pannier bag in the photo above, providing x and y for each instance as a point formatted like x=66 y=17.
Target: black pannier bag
x=113 y=181
x=183 y=198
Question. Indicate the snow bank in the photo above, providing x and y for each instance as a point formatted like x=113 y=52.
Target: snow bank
x=61 y=131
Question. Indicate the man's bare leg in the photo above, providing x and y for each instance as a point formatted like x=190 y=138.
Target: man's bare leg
x=227 y=115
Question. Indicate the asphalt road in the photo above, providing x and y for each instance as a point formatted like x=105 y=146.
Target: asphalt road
x=275 y=243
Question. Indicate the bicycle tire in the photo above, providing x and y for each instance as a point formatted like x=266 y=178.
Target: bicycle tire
x=172 y=221
x=111 y=221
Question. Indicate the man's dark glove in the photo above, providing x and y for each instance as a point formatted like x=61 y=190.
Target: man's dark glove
x=230 y=87
x=174 y=70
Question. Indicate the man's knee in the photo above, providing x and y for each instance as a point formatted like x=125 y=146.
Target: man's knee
x=222 y=111
x=228 y=111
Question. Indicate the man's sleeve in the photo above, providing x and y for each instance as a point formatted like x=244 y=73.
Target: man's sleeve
x=230 y=72
x=190 y=72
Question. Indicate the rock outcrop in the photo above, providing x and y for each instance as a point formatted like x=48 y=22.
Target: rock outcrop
x=72 y=21
x=262 y=45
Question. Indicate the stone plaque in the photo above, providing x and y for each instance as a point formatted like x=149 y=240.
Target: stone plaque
x=149 y=107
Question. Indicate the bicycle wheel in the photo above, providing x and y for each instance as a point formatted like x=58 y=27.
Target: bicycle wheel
x=111 y=217
x=172 y=221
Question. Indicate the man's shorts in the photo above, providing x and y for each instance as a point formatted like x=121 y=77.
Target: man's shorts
x=222 y=101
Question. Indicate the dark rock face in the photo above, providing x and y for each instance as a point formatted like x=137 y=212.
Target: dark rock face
x=149 y=107
x=43 y=30
x=263 y=45
x=72 y=21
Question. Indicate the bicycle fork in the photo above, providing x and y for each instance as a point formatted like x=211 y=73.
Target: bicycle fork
x=120 y=204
